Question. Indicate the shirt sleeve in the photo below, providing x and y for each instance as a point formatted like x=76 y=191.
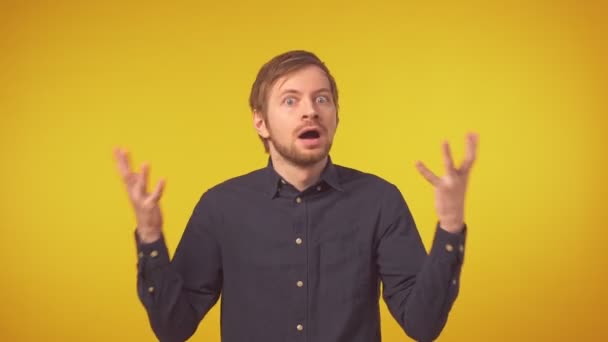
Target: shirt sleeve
x=178 y=293
x=419 y=289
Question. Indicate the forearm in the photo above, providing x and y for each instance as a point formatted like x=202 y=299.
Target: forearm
x=425 y=304
x=167 y=301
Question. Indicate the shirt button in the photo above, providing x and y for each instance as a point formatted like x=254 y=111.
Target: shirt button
x=300 y=327
x=319 y=188
x=154 y=253
x=298 y=241
x=141 y=255
x=283 y=181
x=151 y=289
x=454 y=282
x=449 y=247
x=298 y=200
x=461 y=248
x=300 y=283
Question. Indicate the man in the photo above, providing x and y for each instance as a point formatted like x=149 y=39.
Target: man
x=298 y=249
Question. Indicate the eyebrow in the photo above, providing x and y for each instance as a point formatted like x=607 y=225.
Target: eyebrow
x=297 y=92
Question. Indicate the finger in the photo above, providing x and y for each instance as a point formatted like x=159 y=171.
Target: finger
x=122 y=161
x=130 y=180
x=138 y=190
x=158 y=190
x=448 y=162
x=427 y=174
x=145 y=172
x=470 y=152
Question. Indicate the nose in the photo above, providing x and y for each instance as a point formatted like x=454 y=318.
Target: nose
x=309 y=110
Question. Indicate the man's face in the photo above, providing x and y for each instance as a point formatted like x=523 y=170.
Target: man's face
x=301 y=117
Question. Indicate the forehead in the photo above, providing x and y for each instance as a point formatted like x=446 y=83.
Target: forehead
x=308 y=79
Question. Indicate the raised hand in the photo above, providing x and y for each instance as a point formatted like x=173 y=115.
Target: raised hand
x=450 y=189
x=146 y=205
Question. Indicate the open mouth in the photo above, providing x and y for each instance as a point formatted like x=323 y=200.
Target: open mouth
x=310 y=134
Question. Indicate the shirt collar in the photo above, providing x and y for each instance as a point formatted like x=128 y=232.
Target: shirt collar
x=329 y=175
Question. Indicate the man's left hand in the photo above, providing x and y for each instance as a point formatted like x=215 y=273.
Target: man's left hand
x=451 y=188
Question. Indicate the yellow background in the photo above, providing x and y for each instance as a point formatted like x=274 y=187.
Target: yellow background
x=170 y=82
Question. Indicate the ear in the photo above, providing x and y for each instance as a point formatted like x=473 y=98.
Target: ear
x=259 y=123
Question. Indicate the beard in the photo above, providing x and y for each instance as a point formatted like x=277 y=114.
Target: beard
x=301 y=157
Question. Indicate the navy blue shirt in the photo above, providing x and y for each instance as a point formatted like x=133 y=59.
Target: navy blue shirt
x=301 y=266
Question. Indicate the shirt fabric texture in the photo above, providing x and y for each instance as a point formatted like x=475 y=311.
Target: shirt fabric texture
x=301 y=266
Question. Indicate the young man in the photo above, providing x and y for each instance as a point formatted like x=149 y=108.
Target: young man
x=298 y=249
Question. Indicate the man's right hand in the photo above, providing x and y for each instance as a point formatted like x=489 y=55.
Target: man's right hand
x=146 y=205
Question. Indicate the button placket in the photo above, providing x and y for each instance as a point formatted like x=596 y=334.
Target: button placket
x=300 y=230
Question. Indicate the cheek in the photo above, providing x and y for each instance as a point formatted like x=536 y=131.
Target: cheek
x=279 y=129
x=332 y=131
x=332 y=123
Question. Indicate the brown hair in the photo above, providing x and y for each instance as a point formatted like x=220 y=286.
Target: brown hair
x=278 y=67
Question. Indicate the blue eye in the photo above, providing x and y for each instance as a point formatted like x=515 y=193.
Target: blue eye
x=321 y=99
x=290 y=101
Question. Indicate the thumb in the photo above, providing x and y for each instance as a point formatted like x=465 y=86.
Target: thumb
x=158 y=190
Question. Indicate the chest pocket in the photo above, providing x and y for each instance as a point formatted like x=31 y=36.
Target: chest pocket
x=345 y=265
x=340 y=247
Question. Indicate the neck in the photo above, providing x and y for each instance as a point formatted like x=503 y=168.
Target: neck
x=301 y=177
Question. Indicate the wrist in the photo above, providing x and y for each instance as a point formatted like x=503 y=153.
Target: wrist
x=148 y=237
x=452 y=226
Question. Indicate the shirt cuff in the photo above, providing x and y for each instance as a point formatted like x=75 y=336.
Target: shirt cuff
x=151 y=256
x=448 y=247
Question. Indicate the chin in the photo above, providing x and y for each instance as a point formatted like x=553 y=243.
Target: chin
x=310 y=157
x=301 y=155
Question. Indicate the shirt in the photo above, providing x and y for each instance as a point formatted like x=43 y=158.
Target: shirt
x=301 y=266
